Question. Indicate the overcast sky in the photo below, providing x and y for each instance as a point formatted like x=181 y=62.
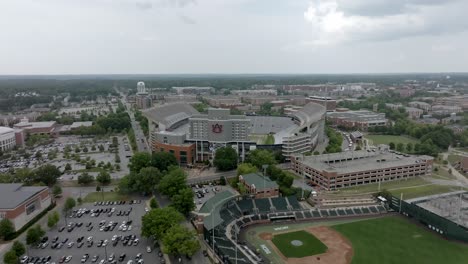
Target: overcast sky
x=232 y=36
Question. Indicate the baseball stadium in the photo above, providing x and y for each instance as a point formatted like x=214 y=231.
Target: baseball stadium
x=282 y=230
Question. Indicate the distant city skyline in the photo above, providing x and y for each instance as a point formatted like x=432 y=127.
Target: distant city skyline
x=233 y=36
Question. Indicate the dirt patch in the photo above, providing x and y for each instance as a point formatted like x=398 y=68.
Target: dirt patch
x=266 y=236
x=339 y=250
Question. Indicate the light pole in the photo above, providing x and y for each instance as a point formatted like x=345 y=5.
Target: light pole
x=264 y=167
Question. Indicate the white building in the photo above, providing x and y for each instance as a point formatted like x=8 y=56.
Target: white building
x=7 y=138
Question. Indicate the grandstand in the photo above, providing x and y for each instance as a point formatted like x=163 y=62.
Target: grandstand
x=170 y=116
x=222 y=227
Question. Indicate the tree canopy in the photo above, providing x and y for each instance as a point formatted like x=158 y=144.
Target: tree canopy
x=225 y=159
x=104 y=178
x=260 y=157
x=246 y=168
x=47 y=174
x=6 y=229
x=180 y=241
x=183 y=201
x=163 y=160
x=172 y=182
x=139 y=161
x=158 y=221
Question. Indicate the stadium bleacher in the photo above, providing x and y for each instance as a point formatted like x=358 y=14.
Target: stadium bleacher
x=279 y=203
x=246 y=206
x=349 y=211
x=357 y=210
x=307 y=214
x=299 y=215
x=324 y=213
x=332 y=212
x=365 y=210
x=294 y=203
x=263 y=205
x=316 y=213
x=373 y=209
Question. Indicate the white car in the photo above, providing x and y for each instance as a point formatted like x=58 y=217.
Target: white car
x=148 y=249
x=129 y=228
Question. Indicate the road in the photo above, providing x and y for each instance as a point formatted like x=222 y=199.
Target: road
x=142 y=143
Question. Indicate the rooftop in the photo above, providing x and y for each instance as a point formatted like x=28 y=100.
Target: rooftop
x=259 y=181
x=353 y=161
x=14 y=194
x=361 y=115
x=5 y=130
x=36 y=124
x=80 y=124
x=217 y=198
x=170 y=114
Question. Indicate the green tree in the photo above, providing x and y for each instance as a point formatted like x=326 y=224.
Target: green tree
x=52 y=219
x=38 y=154
x=47 y=174
x=172 y=182
x=34 y=235
x=10 y=257
x=409 y=147
x=163 y=160
x=101 y=148
x=6 y=229
x=117 y=158
x=157 y=221
x=104 y=178
x=85 y=150
x=85 y=178
x=93 y=148
x=260 y=157
x=56 y=190
x=77 y=149
x=147 y=180
x=139 y=160
x=246 y=168
x=225 y=159
x=391 y=145
x=18 y=248
x=153 y=203
x=400 y=147
x=180 y=240
x=69 y=204
x=68 y=167
x=183 y=201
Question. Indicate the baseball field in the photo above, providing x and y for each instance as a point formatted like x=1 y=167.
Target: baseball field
x=384 y=240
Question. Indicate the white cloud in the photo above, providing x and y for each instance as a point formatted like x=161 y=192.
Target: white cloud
x=336 y=21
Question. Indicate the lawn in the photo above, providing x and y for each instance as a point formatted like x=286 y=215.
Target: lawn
x=310 y=244
x=391 y=240
x=368 y=188
x=269 y=140
x=420 y=191
x=454 y=159
x=104 y=196
x=386 y=139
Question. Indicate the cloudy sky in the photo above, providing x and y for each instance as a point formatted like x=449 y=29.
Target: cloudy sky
x=232 y=36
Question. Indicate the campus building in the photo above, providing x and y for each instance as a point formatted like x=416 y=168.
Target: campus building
x=345 y=169
x=259 y=186
x=360 y=120
x=37 y=128
x=7 y=138
x=328 y=102
x=20 y=204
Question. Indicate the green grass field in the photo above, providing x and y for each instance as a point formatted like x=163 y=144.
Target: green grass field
x=310 y=244
x=392 y=240
x=386 y=139
x=104 y=196
x=270 y=140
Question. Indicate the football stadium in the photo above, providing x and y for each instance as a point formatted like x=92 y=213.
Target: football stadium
x=193 y=137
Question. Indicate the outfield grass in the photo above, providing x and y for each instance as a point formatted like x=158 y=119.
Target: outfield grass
x=104 y=196
x=392 y=240
x=386 y=139
x=311 y=245
x=420 y=191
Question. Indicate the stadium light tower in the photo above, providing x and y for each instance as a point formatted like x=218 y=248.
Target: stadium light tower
x=264 y=167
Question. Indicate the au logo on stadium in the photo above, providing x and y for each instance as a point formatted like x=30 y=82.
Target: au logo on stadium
x=217 y=128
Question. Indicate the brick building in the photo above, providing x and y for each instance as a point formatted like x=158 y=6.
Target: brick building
x=259 y=186
x=20 y=204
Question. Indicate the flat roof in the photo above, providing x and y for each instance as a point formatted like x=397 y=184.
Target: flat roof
x=259 y=181
x=5 y=130
x=46 y=124
x=355 y=161
x=361 y=115
x=14 y=194
x=80 y=124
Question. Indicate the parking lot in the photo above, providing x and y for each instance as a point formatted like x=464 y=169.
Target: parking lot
x=203 y=193
x=91 y=227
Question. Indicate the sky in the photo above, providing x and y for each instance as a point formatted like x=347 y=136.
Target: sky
x=232 y=36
